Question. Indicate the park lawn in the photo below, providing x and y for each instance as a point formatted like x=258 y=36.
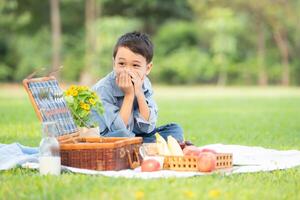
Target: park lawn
x=266 y=117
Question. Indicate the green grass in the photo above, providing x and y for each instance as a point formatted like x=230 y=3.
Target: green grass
x=249 y=116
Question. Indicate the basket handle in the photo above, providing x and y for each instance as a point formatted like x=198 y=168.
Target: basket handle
x=133 y=164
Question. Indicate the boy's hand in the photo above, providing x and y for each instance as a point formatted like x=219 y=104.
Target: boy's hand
x=123 y=80
x=137 y=83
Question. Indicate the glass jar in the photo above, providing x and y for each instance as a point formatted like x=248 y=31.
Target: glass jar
x=49 y=153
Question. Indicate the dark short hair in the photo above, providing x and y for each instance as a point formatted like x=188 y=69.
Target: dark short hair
x=137 y=42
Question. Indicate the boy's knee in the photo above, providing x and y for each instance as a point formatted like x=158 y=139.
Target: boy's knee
x=175 y=126
x=175 y=130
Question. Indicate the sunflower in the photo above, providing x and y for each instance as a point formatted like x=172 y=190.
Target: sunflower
x=87 y=107
x=82 y=105
x=74 y=93
x=82 y=101
x=68 y=93
x=73 y=87
x=92 y=101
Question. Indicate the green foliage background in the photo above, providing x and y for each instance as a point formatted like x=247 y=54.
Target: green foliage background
x=195 y=41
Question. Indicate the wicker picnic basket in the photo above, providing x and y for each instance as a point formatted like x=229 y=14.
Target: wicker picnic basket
x=190 y=163
x=101 y=153
x=97 y=153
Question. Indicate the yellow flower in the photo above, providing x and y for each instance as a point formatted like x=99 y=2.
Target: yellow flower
x=83 y=99
x=86 y=107
x=68 y=93
x=81 y=104
x=73 y=87
x=214 y=193
x=92 y=101
x=81 y=88
x=74 y=93
x=189 y=194
x=139 y=195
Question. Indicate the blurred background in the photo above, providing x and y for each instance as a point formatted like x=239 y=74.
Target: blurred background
x=209 y=42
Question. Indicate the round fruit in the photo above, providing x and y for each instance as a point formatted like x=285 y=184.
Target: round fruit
x=191 y=151
x=207 y=162
x=150 y=165
x=208 y=150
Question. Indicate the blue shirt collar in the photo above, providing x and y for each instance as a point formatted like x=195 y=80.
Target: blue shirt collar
x=117 y=92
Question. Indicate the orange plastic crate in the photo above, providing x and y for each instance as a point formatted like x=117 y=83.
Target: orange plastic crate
x=190 y=163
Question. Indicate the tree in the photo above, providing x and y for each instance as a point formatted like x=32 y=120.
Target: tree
x=281 y=15
x=91 y=12
x=278 y=15
x=261 y=54
x=223 y=26
x=153 y=13
x=56 y=36
x=254 y=10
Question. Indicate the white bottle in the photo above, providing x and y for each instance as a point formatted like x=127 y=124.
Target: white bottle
x=49 y=157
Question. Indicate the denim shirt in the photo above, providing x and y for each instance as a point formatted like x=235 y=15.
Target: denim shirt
x=112 y=98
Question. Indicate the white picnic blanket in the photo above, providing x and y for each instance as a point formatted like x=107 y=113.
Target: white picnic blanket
x=246 y=159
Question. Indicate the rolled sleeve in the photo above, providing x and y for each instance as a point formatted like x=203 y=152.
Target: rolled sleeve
x=112 y=118
x=146 y=126
x=114 y=121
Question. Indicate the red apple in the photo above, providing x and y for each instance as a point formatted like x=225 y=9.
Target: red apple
x=207 y=162
x=208 y=150
x=191 y=151
x=150 y=165
x=195 y=152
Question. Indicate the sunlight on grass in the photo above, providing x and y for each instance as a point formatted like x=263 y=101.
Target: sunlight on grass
x=249 y=116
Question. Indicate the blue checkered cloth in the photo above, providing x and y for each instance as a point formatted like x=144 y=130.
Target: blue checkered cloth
x=52 y=105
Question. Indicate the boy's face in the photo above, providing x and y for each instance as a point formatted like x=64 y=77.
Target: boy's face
x=126 y=60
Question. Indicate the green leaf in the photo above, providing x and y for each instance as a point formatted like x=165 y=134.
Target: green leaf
x=69 y=99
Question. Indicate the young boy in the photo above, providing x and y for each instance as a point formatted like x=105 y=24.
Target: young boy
x=127 y=95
